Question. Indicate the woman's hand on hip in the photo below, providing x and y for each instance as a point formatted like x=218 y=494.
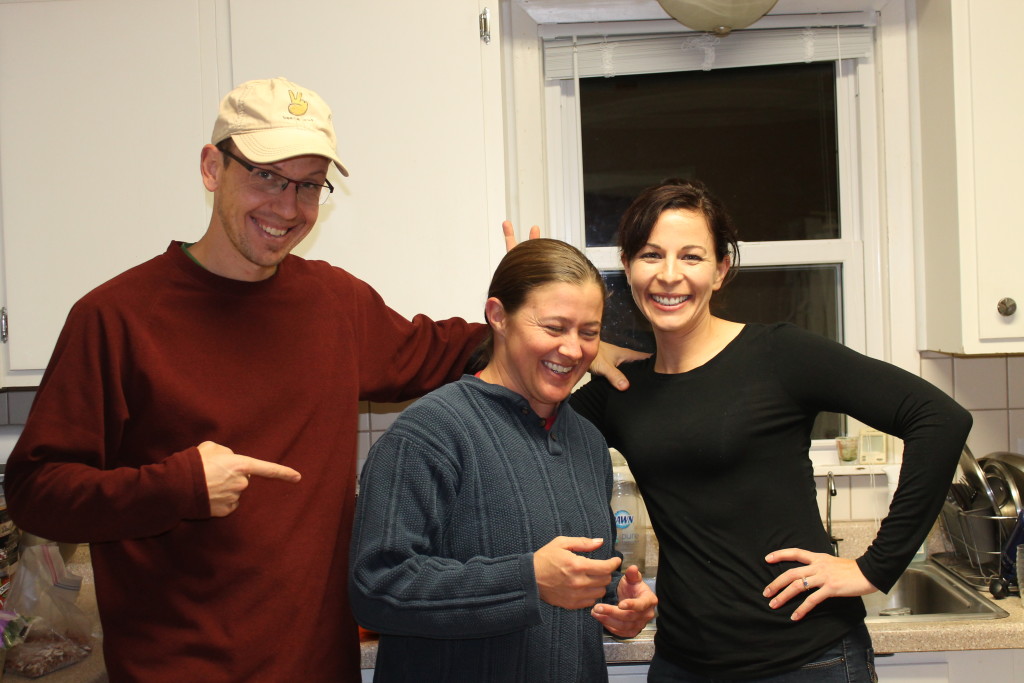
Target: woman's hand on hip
x=823 y=576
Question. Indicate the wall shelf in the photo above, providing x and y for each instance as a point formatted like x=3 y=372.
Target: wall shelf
x=854 y=470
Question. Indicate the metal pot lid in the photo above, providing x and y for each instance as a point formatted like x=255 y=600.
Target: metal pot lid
x=974 y=476
x=1014 y=461
x=1002 y=471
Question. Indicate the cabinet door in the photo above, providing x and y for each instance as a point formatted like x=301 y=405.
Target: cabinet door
x=960 y=666
x=102 y=115
x=627 y=673
x=913 y=668
x=416 y=97
x=995 y=59
x=971 y=140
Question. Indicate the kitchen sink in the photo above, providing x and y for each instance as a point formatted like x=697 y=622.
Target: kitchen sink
x=927 y=592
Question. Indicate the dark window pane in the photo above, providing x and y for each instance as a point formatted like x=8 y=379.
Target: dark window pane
x=807 y=296
x=762 y=138
x=624 y=324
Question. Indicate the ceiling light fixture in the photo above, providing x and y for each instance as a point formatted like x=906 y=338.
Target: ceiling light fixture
x=717 y=16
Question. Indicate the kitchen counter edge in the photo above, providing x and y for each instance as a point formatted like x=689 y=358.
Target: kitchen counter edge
x=887 y=638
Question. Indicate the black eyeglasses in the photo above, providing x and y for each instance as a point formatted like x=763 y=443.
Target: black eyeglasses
x=265 y=180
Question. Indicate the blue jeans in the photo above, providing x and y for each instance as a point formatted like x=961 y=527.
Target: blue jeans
x=849 y=660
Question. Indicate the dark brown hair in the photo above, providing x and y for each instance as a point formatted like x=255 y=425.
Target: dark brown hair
x=528 y=266
x=226 y=145
x=638 y=221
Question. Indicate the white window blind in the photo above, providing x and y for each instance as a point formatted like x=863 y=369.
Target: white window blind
x=567 y=58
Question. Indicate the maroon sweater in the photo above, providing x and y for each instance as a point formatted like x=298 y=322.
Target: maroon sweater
x=166 y=356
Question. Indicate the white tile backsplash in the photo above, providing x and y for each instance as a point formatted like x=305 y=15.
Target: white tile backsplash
x=1017 y=431
x=362 y=449
x=869 y=496
x=992 y=388
x=980 y=383
x=858 y=496
x=18 y=405
x=938 y=371
x=1015 y=379
x=8 y=437
x=990 y=432
x=364 y=416
x=382 y=415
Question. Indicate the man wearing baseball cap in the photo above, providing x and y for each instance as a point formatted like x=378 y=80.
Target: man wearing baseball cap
x=197 y=422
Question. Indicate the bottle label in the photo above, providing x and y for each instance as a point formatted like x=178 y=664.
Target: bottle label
x=623 y=519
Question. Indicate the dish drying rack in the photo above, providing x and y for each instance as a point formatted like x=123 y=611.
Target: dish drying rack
x=977 y=537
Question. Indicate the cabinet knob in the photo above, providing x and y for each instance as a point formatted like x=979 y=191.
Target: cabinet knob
x=1006 y=307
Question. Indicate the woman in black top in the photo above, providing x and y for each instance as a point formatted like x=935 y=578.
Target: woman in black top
x=716 y=427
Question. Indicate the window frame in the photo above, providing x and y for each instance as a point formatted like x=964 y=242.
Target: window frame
x=859 y=201
x=860 y=248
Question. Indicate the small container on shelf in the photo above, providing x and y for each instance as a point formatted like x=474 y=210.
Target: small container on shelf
x=871 y=449
x=846 y=447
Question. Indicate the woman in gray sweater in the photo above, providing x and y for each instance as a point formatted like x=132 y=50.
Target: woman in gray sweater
x=483 y=548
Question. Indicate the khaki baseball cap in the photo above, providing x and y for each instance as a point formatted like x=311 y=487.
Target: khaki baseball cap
x=274 y=119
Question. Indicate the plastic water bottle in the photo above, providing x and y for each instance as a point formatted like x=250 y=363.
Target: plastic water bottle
x=630 y=525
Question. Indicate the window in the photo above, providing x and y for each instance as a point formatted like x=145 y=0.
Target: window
x=778 y=137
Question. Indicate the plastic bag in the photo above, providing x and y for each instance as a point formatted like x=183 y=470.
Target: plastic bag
x=44 y=592
x=14 y=628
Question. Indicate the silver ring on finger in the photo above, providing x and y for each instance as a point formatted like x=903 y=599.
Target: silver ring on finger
x=806 y=587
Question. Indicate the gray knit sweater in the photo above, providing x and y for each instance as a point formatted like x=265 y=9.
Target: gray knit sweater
x=454 y=499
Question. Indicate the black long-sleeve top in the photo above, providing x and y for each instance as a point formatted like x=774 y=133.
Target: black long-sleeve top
x=721 y=456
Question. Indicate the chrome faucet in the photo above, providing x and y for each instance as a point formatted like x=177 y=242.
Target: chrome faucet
x=828 y=513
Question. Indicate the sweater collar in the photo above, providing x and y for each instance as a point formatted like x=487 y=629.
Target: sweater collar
x=518 y=404
x=193 y=269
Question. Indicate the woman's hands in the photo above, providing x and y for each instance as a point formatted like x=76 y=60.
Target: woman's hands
x=634 y=609
x=565 y=579
x=825 y=575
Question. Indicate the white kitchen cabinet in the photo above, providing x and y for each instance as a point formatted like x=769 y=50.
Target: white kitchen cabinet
x=105 y=104
x=103 y=109
x=906 y=667
x=966 y=666
x=627 y=673
x=970 y=55
x=417 y=103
